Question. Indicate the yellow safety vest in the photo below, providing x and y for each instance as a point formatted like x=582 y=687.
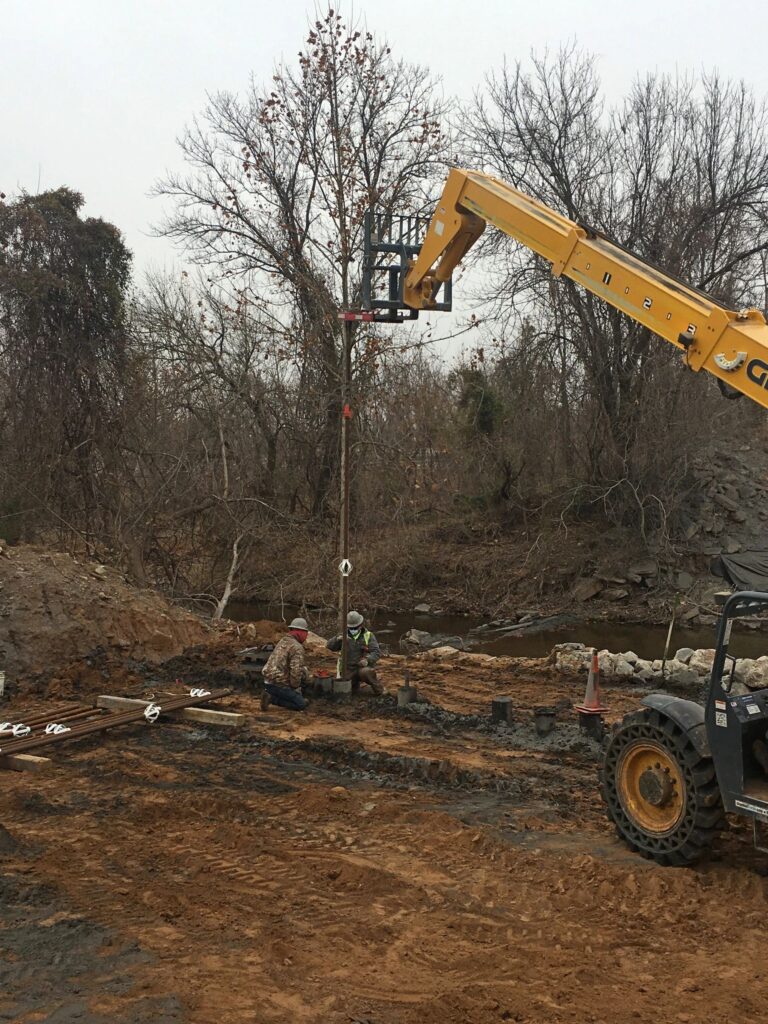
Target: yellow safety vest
x=366 y=641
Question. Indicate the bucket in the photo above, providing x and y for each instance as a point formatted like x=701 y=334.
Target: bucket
x=323 y=682
x=544 y=720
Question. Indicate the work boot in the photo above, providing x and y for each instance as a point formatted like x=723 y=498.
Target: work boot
x=368 y=675
x=266 y=700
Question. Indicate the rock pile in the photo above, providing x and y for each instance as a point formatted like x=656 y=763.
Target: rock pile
x=686 y=668
x=732 y=512
x=421 y=640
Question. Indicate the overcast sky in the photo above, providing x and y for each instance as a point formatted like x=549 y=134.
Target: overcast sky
x=95 y=92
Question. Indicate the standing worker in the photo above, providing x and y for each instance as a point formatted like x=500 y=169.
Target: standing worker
x=285 y=670
x=363 y=652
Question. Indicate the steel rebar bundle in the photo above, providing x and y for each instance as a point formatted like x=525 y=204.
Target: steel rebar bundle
x=23 y=745
x=59 y=714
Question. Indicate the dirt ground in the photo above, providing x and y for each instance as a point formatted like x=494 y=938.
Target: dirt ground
x=358 y=863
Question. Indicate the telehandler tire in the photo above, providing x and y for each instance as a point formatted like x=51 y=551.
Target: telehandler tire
x=660 y=792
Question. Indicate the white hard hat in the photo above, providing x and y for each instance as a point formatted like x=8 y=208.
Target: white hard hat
x=354 y=619
x=299 y=624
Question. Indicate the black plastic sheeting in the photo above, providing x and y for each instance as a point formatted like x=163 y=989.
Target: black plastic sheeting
x=746 y=571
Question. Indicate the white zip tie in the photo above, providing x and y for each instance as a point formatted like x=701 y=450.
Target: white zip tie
x=152 y=713
x=21 y=730
x=56 y=729
x=197 y=692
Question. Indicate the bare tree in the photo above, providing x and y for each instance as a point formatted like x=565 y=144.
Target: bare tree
x=278 y=184
x=677 y=173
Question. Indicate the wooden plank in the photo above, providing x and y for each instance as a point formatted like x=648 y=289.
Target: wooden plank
x=204 y=716
x=24 y=762
x=207 y=716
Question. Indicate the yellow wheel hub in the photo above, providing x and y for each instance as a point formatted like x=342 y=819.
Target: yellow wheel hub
x=650 y=786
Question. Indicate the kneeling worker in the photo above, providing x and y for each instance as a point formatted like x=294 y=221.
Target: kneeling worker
x=362 y=653
x=285 y=671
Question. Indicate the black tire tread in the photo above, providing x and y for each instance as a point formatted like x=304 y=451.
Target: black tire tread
x=703 y=817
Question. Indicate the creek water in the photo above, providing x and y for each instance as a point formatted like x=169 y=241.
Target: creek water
x=645 y=641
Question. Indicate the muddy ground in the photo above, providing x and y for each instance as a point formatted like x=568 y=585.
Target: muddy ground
x=358 y=863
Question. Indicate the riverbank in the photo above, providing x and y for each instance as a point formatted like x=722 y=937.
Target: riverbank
x=63 y=620
x=480 y=570
x=473 y=633
x=498 y=563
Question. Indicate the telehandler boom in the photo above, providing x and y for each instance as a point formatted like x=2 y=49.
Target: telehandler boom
x=671 y=770
x=732 y=345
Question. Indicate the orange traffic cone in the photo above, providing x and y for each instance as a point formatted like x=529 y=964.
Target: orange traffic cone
x=592 y=704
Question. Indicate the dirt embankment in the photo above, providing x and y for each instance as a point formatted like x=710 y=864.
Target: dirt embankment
x=61 y=618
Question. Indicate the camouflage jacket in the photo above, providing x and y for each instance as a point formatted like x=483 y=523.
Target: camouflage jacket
x=285 y=666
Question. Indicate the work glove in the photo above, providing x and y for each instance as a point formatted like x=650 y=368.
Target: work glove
x=363 y=663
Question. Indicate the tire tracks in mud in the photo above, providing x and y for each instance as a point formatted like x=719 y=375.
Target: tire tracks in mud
x=263 y=890
x=539 y=770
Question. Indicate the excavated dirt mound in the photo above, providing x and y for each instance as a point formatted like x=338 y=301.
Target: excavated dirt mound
x=58 y=613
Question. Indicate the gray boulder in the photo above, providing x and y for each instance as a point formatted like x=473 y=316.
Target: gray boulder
x=439 y=640
x=415 y=640
x=752 y=672
x=684 y=654
x=585 y=589
x=730 y=504
x=701 y=661
x=622 y=668
x=644 y=670
x=679 y=674
x=647 y=567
